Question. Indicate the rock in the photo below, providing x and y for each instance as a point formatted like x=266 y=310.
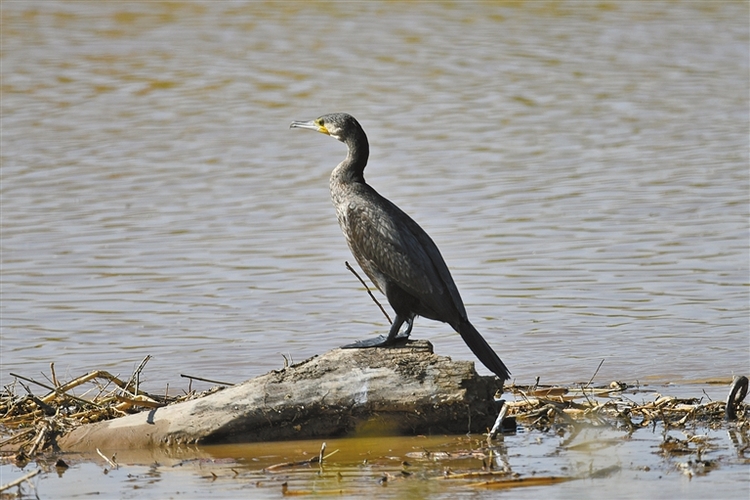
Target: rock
x=404 y=389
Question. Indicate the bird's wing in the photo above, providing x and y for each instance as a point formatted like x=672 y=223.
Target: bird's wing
x=396 y=246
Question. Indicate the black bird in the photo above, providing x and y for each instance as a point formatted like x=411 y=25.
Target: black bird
x=397 y=254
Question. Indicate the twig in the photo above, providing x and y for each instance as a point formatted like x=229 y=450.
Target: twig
x=55 y=382
x=39 y=440
x=102 y=389
x=47 y=409
x=290 y=464
x=368 y=290
x=18 y=437
x=311 y=461
x=594 y=375
x=498 y=424
x=137 y=401
x=206 y=379
x=59 y=391
x=320 y=457
x=80 y=381
x=20 y=480
x=110 y=462
x=135 y=379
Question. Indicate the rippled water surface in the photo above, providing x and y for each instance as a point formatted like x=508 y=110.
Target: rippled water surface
x=583 y=168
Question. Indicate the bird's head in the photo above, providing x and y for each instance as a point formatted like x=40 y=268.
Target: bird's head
x=337 y=125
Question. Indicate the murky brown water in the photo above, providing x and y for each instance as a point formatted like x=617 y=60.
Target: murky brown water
x=583 y=168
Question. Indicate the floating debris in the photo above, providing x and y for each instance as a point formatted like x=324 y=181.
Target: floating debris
x=30 y=424
x=542 y=408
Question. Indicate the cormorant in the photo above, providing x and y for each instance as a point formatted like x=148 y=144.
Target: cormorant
x=397 y=254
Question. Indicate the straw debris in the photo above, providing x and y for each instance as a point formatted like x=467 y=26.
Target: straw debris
x=545 y=407
x=30 y=424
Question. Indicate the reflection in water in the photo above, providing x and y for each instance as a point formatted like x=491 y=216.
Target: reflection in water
x=613 y=461
x=582 y=168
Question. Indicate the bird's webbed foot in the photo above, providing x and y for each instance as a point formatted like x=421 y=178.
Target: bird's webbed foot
x=383 y=341
x=379 y=341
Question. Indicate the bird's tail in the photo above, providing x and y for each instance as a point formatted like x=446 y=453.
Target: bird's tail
x=482 y=349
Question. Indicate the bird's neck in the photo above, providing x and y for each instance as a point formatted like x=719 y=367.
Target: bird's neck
x=352 y=169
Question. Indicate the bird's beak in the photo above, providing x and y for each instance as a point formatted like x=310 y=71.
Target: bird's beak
x=312 y=125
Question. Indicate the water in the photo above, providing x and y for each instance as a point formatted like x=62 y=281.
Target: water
x=583 y=168
x=599 y=462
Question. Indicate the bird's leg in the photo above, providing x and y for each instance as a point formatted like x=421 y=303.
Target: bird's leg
x=405 y=335
x=381 y=340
